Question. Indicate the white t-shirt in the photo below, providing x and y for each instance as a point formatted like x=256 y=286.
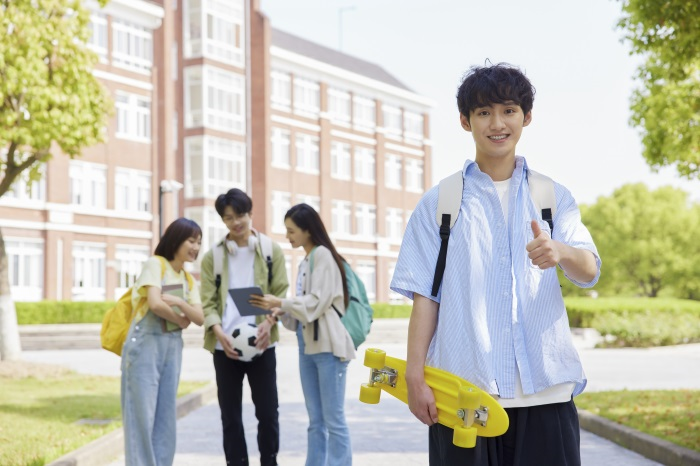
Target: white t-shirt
x=558 y=393
x=240 y=275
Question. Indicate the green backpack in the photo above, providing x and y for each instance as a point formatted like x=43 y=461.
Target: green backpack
x=358 y=314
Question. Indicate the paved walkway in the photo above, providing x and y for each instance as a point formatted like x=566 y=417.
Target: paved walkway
x=386 y=432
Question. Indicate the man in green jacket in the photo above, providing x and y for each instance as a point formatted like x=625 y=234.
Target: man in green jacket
x=243 y=264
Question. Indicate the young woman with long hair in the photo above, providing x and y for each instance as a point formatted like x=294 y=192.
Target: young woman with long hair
x=325 y=347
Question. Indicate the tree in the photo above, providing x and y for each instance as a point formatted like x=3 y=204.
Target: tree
x=646 y=240
x=49 y=101
x=667 y=106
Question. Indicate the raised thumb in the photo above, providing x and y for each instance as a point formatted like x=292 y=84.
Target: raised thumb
x=535 y=229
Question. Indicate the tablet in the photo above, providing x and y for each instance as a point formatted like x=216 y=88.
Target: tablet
x=241 y=296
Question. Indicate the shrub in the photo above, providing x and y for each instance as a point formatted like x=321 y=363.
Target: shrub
x=61 y=312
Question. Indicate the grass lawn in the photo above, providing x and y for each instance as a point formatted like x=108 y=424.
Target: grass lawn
x=672 y=415
x=40 y=410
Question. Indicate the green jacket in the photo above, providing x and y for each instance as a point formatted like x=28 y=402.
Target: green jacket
x=213 y=303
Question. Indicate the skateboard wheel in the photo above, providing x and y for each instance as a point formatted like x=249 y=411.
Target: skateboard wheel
x=374 y=358
x=468 y=398
x=369 y=395
x=464 y=437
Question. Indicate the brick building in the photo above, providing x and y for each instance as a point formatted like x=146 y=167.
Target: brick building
x=209 y=96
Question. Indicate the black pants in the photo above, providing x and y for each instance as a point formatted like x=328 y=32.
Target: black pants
x=546 y=435
x=262 y=377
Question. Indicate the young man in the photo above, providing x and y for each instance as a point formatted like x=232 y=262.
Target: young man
x=498 y=319
x=242 y=265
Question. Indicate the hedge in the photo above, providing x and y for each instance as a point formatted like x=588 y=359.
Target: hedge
x=639 y=322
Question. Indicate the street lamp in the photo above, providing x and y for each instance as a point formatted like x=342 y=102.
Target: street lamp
x=166 y=186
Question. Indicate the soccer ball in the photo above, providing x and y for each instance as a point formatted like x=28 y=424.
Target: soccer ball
x=244 y=336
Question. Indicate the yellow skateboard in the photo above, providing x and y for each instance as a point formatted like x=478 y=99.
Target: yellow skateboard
x=461 y=405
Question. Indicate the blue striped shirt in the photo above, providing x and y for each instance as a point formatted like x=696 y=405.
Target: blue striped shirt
x=498 y=313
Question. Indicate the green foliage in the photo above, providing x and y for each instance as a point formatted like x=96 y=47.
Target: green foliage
x=672 y=415
x=391 y=311
x=638 y=322
x=647 y=241
x=667 y=106
x=61 y=312
x=49 y=97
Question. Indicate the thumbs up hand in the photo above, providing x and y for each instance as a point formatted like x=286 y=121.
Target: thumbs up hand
x=543 y=251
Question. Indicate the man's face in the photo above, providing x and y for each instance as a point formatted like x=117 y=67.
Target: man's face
x=238 y=224
x=496 y=128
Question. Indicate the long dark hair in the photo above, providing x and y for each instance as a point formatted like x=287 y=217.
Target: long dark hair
x=177 y=233
x=305 y=217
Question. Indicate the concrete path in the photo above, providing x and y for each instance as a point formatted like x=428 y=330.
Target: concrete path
x=385 y=432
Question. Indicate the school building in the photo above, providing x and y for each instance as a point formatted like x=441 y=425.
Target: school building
x=209 y=96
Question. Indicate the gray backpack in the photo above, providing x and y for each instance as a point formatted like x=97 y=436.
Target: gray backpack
x=450 y=203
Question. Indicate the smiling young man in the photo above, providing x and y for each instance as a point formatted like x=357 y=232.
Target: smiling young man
x=242 y=265
x=498 y=319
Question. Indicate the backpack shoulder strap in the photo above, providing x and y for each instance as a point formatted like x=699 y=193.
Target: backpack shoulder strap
x=218 y=257
x=162 y=266
x=449 y=204
x=266 y=249
x=542 y=194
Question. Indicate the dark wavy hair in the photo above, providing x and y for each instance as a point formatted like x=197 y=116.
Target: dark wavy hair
x=177 y=233
x=239 y=201
x=305 y=217
x=494 y=84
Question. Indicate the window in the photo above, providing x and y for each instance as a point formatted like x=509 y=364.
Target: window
x=214 y=29
x=213 y=166
x=281 y=203
x=339 y=106
x=280 y=148
x=129 y=262
x=25 y=190
x=414 y=126
x=88 y=272
x=392 y=120
x=133 y=117
x=414 y=175
x=392 y=171
x=366 y=218
x=132 y=46
x=214 y=98
x=341 y=217
x=365 y=170
x=132 y=190
x=364 y=113
x=307 y=153
x=281 y=96
x=307 y=96
x=98 y=35
x=394 y=223
x=88 y=184
x=25 y=267
x=367 y=271
x=213 y=229
x=313 y=201
x=340 y=160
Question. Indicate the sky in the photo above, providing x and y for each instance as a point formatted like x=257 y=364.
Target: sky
x=570 y=50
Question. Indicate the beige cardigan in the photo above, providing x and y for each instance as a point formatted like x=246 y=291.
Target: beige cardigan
x=321 y=287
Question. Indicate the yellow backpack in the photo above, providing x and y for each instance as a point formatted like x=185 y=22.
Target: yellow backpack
x=117 y=320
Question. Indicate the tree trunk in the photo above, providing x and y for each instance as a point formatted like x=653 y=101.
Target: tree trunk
x=10 y=347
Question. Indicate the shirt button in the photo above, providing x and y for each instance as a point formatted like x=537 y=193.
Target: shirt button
x=133 y=339
x=137 y=327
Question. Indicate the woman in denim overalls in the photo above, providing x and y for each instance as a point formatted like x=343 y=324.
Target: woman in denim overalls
x=152 y=354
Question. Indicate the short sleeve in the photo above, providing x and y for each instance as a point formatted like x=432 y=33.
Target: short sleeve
x=150 y=276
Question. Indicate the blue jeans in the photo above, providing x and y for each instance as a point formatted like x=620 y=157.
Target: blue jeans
x=323 y=383
x=151 y=361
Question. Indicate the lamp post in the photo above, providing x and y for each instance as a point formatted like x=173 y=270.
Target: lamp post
x=166 y=186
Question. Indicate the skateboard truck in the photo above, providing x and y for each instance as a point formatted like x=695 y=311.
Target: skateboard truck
x=481 y=415
x=386 y=375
